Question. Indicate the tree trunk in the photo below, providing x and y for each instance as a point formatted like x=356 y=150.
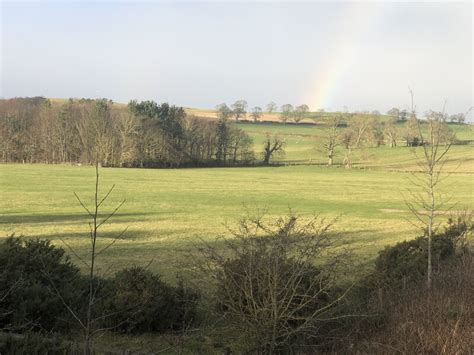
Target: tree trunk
x=430 y=232
x=330 y=157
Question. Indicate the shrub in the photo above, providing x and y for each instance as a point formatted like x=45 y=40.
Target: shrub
x=31 y=343
x=399 y=278
x=407 y=261
x=141 y=302
x=460 y=229
x=267 y=287
x=435 y=321
x=29 y=269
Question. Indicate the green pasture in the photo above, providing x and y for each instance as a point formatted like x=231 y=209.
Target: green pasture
x=170 y=212
x=304 y=146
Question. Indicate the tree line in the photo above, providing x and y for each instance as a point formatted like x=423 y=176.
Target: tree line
x=145 y=134
x=354 y=131
x=239 y=110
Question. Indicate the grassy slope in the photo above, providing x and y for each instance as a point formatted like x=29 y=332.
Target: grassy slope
x=304 y=144
x=167 y=211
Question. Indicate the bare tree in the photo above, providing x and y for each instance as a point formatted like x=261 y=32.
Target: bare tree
x=391 y=132
x=332 y=139
x=271 y=107
x=256 y=113
x=267 y=285
x=286 y=112
x=353 y=136
x=359 y=125
x=412 y=137
x=127 y=128
x=223 y=111
x=272 y=145
x=300 y=112
x=90 y=324
x=239 y=108
x=429 y=201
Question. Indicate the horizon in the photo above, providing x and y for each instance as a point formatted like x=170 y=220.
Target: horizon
x=202 y=54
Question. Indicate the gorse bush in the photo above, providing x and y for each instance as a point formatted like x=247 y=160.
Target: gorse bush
x=407 y=261
x=461 y=230
x=38 y=283
x=30 y=268
x=141 y=302
x=394 y=295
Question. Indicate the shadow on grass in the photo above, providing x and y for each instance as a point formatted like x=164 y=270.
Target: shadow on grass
x=78 y=218
x=83 y=236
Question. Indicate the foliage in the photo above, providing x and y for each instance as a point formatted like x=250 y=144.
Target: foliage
x=29 y=269
x=404 y=263
x=141 y=302
x=33 y=343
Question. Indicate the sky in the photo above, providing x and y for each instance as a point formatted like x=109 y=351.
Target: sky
x=354 y=55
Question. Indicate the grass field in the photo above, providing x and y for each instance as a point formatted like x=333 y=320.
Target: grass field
x=167 y=212
x=304 y=145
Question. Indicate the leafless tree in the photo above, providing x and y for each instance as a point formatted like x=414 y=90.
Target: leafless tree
x=359 y=125
x=127 y=128
x=267 y=285
x=223 y=111
x=300 y=112
x=332 y=140
x=91 y=323
x=391 y=132
x=272 y=145
x=256 y=113
x=239 y=109
x=412 y=137
x=271 y=107
x=286 y=112
x=428 y=200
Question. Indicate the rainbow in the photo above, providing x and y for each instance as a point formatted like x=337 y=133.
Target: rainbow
x=355 y=21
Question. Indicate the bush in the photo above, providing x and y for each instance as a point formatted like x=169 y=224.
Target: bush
x=407 y=261
x=30 y=268
x=398 y=283
x=460 y=230
x=141 y=302
x=267 y=287
x=435 y=321
x=31 y=343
